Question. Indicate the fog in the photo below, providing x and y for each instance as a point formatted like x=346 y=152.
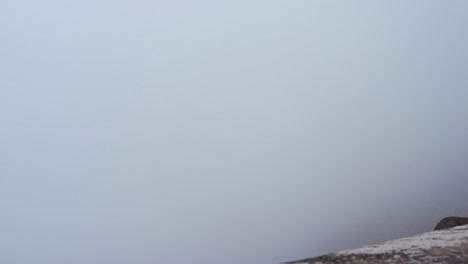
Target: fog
x=227 y=131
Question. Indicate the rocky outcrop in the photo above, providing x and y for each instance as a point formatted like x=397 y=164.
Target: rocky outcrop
x=450 y=222
x=446 y=246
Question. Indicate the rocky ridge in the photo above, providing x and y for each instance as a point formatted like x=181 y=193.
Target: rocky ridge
x=447 y=245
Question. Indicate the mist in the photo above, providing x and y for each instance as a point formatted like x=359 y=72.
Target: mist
x=227 y=131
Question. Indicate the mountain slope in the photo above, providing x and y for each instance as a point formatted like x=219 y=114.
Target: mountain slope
x=448 y=246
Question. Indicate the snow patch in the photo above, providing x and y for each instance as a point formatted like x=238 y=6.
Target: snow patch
x=453 y=237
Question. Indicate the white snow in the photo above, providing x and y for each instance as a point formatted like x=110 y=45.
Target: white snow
x=452 y=237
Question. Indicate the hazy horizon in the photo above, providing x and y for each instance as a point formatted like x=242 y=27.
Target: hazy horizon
x=227 y=132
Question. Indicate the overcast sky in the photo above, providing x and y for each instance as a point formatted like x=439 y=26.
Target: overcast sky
x=228 y=132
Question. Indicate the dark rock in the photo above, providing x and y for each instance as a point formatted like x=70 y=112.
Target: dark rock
x=451 y=221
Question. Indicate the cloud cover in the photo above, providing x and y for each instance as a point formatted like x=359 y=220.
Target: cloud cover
x=240 y=132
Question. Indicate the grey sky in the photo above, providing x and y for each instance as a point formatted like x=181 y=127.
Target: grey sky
x=227 y=132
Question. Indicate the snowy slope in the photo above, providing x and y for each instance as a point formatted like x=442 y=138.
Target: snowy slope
x=443 y=246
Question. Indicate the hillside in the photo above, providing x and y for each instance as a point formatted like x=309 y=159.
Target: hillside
x=449 y=246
